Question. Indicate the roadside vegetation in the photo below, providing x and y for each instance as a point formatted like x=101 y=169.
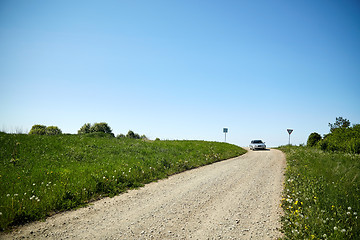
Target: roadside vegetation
x=322 y=186
x=41 y=174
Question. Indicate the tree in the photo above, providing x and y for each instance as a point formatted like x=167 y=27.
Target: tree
x=38 y=129
x=341 y=123
x=313 y=139
x=85 y=128
x=120 y=136
x=100 y=127
x=132 y=135
x=53 y=130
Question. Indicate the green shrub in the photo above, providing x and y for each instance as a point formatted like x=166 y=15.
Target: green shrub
x=38 y=130
x=120 y=136
x=100 y=127
x=342 y=137
x=95 y=128
x=132 y=135
x=85 y=129
x=313 y=139
x=53 y=130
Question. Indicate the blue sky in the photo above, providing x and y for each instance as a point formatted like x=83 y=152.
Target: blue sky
x=181 y=69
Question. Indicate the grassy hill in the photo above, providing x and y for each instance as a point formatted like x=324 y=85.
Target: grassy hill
x=40 y=175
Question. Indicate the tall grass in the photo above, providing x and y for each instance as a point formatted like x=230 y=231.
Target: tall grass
x=40 y=175
x=321 y=199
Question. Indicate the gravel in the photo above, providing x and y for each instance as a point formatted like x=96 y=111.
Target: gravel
x=234 y=199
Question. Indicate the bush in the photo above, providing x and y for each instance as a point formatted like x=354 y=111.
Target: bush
x=38 y=130
x=43 y=130
x=85 y=129
x=342 y=139
x=100 y=127
x=96 y=128
x=132 y=135
x=53 y=130
x=313 y=139
x=120 y=136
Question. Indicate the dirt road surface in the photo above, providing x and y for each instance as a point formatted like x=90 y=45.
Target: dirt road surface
x=233 y=199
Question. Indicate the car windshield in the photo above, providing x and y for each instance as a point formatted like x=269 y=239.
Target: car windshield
x=257 y=141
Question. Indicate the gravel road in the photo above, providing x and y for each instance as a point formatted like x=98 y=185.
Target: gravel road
x=234 y=199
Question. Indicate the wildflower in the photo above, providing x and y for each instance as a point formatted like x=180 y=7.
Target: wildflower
x=348 y=213
x=8 y=195
x=343 y=230
x=324 y=236
x=335 y=228
x=355 y=213
x=0 y=213
x=33 y=184
x=349 y=208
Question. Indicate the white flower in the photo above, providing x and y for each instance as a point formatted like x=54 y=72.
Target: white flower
x=343 y=230
x=0 y=213
x=335 y=228
x=8 y=195
x=348 y=213
x=355 y=213
x=349 y=208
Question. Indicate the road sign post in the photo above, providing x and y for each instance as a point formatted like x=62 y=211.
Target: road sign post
x=289 y=131
x=225 y=130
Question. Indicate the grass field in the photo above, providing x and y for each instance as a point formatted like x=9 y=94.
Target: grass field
x=321 y=197
x=40 y=175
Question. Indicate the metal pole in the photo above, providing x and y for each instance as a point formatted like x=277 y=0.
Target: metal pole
x=289 y=138
x=225 y=136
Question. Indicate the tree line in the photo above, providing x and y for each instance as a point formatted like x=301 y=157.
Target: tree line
x=98 y=129
x=342 y=137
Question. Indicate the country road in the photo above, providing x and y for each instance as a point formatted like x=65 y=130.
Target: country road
x=234 y=199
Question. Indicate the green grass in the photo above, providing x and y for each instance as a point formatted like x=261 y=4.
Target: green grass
x=40 y=175
x=321 y=196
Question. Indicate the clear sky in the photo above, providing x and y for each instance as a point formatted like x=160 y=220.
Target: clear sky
x=181 y=69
